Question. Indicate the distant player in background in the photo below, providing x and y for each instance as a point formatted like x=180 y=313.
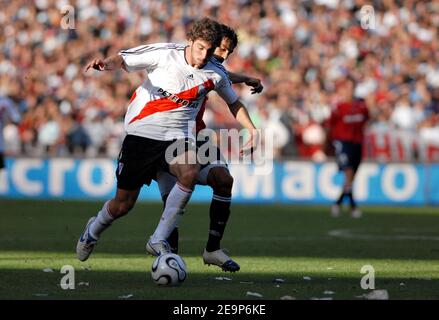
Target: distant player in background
x=214 y=174
x=346 y=132
x=7 y=113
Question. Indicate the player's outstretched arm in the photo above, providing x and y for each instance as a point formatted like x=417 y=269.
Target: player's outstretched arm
x=240 y=113
x=255 y=83
x=111 y=63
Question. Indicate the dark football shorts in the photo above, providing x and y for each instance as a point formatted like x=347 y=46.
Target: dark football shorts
x=140 y=158
x=347 y=154
x=205 y=157
x=2 y=160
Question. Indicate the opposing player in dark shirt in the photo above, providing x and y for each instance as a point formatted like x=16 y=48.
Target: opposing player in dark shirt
x=346 y=132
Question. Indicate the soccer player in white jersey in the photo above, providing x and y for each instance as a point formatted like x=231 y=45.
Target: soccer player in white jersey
x=214 y=174
x=7 y=113
x=179 y=78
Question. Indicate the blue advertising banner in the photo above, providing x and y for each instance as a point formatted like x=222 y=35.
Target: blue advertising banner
x=286 y=182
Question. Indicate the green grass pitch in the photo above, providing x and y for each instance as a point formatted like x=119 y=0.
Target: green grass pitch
x=269 y=242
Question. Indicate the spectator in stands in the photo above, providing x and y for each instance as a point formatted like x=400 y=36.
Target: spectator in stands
x=299 y=50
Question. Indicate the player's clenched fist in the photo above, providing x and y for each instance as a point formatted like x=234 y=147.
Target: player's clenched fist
x=97 y=64
x=256 y=85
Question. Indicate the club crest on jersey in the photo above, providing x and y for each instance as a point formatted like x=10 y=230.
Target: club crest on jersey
x=119 y=167
x=203 y=89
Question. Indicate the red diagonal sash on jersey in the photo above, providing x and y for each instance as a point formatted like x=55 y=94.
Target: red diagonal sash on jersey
x=165 y=104
x=133 y=97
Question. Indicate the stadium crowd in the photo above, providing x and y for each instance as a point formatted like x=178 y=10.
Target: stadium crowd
x=299 y=49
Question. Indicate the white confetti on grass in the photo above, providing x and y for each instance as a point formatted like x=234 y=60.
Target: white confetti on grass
x=40 y=294
x=378 y=295
x=254 y=294
x=83 y=284
x=375 y=295
x=307 y=278
x=128 y=296
x=223 y=279
x=328 y=292
x=287 y=298
x=47 y=270
x=278 y=280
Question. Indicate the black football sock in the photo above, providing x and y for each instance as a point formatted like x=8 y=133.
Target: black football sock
x=173 y=240
x=219 y=214
x=351 y=200
x=348 y=193
x=340 y=199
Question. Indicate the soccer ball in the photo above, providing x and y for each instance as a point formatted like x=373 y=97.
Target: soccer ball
x=168 y=270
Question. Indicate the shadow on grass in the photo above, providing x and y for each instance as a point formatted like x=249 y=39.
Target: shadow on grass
x=33 y=284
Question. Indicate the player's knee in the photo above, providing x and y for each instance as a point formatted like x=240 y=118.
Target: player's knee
x=221 y=182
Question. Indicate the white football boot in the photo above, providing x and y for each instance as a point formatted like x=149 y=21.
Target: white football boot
x=158 y=248
x=86 y=242
x=356 y=213
x=220 y=259
x=335 y=211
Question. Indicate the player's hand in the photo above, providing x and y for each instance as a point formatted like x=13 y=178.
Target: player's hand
x=251 y=145
x=256 y=85
x=97 y=64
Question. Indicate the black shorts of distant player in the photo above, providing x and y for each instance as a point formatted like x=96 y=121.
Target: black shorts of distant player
x=140 y=158
x=347 y=154
x=2 y=160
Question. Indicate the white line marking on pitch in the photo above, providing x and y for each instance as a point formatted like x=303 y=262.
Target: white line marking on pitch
x=355 y=234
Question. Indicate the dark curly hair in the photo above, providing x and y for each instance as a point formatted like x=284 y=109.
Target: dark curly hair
x=230 y=34
x=206 y=29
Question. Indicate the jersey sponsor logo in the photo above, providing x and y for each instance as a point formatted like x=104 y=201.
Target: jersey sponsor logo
x=173 y=97
x=189 y=98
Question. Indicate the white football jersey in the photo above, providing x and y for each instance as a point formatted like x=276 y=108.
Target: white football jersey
x=165 y=105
